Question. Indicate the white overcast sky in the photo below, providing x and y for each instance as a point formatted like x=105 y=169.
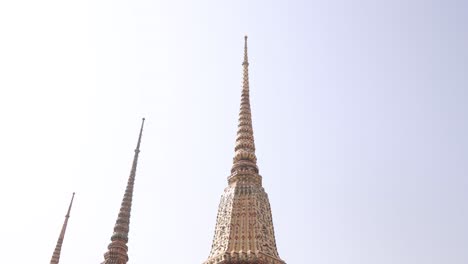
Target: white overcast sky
x=360 y=117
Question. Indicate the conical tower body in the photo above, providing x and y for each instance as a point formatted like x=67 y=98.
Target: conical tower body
x=58 y=247
x=117 y=249
x=244 y=232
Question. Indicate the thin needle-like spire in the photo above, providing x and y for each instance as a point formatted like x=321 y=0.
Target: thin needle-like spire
x=58 y=248
x=244 y=156
x=117 y=249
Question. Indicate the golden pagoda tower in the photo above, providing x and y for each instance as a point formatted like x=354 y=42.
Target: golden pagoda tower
x=58 y=248
x=117 y=249
x=244 y=232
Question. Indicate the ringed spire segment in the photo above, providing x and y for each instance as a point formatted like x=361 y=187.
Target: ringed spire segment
x=244 y=157
x=58 y=247
x=117 y=249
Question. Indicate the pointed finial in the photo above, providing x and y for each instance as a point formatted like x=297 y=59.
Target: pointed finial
x=246 y=59
x=58 y=248
x=244 y=157
x=69 y=207
x=117 y=249
x=141 y=132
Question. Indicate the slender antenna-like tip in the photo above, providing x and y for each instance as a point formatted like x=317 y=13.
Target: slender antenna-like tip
x=142 y=123
x=139 y=137
x=246 y=60
x=70 y=206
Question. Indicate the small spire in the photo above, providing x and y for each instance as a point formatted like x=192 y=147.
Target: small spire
x=117 y=249
x=58 y=248
x=244 y=156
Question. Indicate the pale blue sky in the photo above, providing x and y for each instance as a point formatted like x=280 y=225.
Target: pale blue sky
x=360 y=118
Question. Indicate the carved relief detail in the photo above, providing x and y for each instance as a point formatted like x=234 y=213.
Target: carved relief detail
x=244 y=228
x=222 y=229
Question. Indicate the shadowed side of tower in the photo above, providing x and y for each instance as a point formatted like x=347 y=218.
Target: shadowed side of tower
x=117 y=249
x=244 y=232
x=58 y=248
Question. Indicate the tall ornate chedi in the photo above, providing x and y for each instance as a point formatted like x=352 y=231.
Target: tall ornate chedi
x=117 y=249
x=244 y=231
x=58 y=248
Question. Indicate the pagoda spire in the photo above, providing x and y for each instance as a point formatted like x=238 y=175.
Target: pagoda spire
x=58 y=248
x=244 y=157
x=244 y=232
x=117 y=249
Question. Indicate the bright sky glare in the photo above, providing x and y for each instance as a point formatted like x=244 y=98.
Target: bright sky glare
x=359 y=109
